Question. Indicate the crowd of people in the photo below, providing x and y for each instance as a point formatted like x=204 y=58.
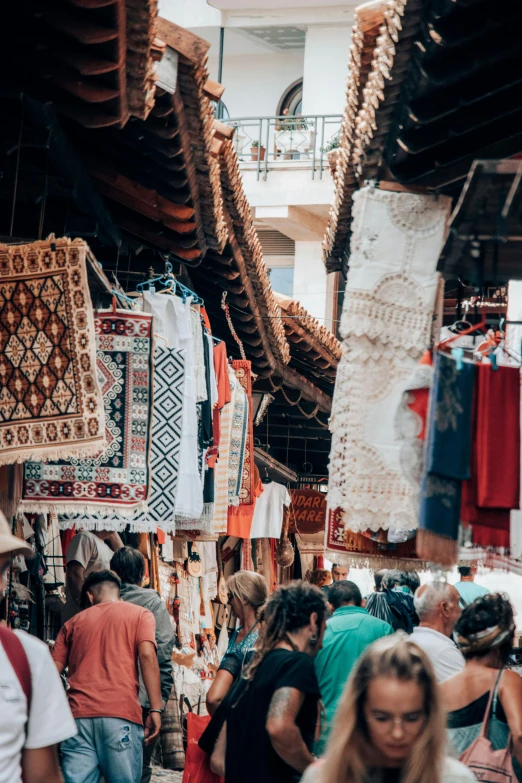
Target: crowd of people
x=394 y=687
x=410 y=684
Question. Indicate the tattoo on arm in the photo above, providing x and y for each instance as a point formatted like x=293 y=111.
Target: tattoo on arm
x=280 y=702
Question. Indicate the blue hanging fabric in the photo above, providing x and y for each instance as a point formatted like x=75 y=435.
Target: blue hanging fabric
x=448 y=450
x=447 y=459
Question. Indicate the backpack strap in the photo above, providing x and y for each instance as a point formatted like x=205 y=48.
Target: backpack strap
x=18 y=659
x=17 y=656
x=495 y=693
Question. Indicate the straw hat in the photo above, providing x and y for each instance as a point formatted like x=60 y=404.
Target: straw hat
x=10 y=543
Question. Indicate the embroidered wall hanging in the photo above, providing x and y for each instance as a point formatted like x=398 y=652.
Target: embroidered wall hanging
x=219 y=522
x=243 y=371
x=118 y=477
x=50 y=398
x=357 y=550
x=386 y=324
x=237 y=440
x=169 y=376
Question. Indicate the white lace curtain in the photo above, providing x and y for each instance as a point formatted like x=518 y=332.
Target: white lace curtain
x=386 y=326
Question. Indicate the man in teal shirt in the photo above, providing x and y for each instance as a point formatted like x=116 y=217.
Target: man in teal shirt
x=348 y=633
x=467 y=588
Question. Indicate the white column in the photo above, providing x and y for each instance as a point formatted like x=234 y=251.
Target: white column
x=325 y=72
x=310 y=284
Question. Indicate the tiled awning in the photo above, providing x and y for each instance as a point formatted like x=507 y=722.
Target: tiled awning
x=443 y=90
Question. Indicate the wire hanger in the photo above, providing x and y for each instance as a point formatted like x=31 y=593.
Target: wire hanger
x=440 y=346
x=166 y=278
x=172 y=286
x=123 y=297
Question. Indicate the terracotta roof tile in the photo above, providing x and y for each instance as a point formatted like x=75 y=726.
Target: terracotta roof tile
x=317 y=337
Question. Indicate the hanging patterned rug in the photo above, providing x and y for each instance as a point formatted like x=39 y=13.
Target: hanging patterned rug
x=351 y=549
x=118 y=478
x=243 y=371
x=50 y=398
x=169 y=376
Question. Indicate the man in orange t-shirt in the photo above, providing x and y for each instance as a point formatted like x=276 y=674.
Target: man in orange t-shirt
x=101 y=647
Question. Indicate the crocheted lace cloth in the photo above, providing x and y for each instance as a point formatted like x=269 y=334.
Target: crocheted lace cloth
x=199 y=355
x=386 y=326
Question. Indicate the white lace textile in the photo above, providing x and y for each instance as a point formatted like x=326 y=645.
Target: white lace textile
x=386 y=326
x=199 y=356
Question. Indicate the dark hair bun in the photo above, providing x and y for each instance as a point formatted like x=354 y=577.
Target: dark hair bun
x=485 y=612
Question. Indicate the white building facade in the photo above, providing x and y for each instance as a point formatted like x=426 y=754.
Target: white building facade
x=284 y=64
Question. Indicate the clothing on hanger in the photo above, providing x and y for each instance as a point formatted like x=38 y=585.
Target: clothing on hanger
x=268 y=513
x=240 y=517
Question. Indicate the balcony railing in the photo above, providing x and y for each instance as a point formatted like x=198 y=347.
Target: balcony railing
x=269 y=143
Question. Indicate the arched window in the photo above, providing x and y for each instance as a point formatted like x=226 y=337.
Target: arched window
x=220 y=110
x=292 y=100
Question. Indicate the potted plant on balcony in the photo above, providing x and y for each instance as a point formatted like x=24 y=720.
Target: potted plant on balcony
x=257 y=151
x=294 y=137
x=332 y=152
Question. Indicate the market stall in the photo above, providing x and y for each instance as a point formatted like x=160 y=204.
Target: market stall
x=424 y=225
x=151 y=384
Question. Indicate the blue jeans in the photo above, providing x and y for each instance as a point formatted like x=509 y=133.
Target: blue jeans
x=103 y=746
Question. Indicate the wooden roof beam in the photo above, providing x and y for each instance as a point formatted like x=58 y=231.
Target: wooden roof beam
x=152 y=239
x=77 y=28
x=179 y=212
x=178 y=226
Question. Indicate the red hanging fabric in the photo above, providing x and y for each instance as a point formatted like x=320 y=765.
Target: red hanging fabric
x=498 y=437
x=493 y=488
x=66 y=536
x=498 y=537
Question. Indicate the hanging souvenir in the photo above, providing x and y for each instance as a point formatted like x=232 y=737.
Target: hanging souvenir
x=285 y=551
x=194 y=562
x=222 y=585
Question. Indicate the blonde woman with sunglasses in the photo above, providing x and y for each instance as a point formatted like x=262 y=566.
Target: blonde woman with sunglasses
x=389 y=727
x=247 y=594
